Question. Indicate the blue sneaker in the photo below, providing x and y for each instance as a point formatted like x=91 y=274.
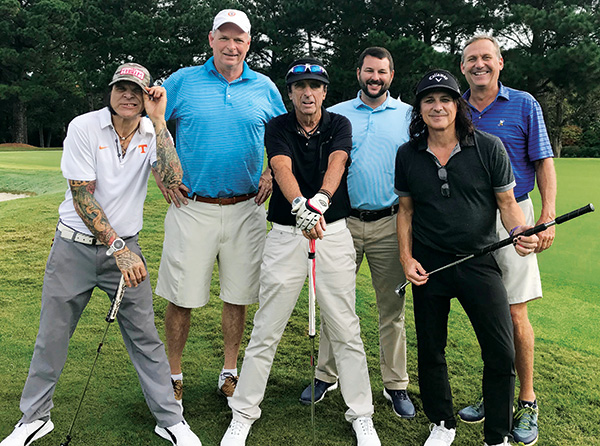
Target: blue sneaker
x=474 y=413
x=525 y=427
x=321 y=388
x=401 y=403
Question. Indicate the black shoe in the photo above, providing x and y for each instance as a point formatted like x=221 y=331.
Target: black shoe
x=401 y=403
x=321 y=388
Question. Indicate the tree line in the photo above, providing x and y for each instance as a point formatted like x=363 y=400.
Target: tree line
x=57 y=56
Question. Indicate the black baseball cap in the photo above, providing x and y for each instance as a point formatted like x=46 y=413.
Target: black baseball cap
x=439 y=80
x=306 y=68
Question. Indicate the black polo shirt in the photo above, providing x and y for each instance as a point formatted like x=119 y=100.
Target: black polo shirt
x=309 y=162
x=465 y=221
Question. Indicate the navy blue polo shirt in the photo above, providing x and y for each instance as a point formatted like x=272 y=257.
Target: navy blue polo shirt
x=517 y=119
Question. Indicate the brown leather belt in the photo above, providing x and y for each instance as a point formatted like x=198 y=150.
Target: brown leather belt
x=224 y=200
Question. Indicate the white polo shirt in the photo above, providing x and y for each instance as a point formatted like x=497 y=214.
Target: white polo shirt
x=91 y=151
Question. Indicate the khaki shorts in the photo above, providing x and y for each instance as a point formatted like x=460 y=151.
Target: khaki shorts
x=520 y=275
x=198 y=234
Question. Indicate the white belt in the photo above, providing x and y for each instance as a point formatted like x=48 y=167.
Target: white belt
x=76 y=236
x=332 y=227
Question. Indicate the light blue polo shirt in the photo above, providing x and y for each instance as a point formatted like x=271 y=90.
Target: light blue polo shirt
x=516 y=118
x=376 y=136
x=221 y=127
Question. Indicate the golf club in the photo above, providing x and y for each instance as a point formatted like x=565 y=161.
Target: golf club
x=312 y=322
x=110 y=317
x=401 y=288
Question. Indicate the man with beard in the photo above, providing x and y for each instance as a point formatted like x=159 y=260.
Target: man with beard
x=379 y=127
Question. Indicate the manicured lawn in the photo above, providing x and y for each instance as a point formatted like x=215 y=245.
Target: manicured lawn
x=114 y=412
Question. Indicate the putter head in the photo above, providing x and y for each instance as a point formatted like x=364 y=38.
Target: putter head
x=401 y=289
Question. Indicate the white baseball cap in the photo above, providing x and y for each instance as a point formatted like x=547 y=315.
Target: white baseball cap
x=234 y=16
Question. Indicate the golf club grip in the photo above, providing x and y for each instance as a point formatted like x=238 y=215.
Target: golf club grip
x=575 y=213
x=539 y=228
x=116 y=302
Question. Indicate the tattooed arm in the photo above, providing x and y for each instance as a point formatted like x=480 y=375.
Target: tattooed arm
x=167 y=168
x=93 y=216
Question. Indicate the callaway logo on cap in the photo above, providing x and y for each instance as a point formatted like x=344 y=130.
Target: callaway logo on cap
x=438 y=79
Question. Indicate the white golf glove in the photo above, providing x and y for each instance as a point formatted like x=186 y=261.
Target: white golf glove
x=308 y=212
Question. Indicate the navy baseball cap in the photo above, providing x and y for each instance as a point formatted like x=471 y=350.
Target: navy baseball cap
x=306 y=68
x=439 y=80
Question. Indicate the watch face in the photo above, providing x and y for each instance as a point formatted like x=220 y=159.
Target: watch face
x=118 y=244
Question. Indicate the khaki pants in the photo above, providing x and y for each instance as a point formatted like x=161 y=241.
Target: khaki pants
x=283 y=272
x=378 y=241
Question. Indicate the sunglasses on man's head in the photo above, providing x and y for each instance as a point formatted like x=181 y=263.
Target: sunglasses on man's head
x=307 y=68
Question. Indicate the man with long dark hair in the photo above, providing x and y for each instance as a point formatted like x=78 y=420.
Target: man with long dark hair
x=450 y=180
x=107 y=157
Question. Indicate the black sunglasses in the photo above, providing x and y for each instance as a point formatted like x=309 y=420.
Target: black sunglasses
x=443 y=175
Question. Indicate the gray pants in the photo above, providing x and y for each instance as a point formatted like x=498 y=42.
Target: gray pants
x=73 y=270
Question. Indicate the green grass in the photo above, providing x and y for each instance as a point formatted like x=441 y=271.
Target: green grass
x=17 y=148
x=114 y=412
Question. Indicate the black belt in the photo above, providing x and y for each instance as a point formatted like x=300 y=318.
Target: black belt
x=522 y=198
x=374 y=215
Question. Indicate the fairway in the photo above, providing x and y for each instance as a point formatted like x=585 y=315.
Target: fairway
x=43 y=160
x=114 y=412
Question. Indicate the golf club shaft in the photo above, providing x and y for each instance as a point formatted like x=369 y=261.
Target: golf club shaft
x=112 y=313
x=400 y=289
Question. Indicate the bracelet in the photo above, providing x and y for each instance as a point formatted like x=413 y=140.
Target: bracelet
x=327 y=193
x=512 y=231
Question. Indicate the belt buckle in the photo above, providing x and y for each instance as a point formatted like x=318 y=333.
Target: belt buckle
x=364 y=215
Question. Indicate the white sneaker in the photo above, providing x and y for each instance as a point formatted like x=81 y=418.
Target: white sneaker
x=365 y=432
x=440 y=436
x=504 y=443
x=26 y=433
x=236 y=434
x=179 y=434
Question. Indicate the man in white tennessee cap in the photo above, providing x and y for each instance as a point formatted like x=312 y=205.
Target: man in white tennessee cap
x=221 y=109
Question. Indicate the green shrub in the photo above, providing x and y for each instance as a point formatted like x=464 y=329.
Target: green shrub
x=580 y=152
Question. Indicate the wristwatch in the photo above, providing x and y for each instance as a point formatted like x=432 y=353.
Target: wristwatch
x=297 y=201
x=117 y=245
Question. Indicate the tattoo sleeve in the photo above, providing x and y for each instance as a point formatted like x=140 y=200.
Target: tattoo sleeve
x=90 y=211
x=167 y=162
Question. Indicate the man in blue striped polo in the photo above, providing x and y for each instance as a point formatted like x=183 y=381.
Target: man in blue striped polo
x=221 y=109
x=379 y=127
x=516 y=118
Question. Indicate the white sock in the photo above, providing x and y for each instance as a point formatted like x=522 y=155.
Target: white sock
x=232 y=371
x=176 y=377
